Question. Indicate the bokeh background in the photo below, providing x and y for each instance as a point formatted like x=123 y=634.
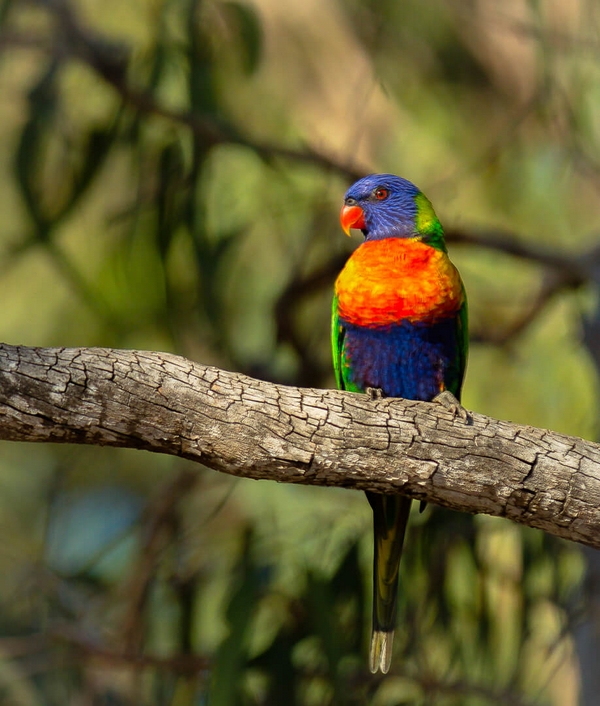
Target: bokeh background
x=171 y=175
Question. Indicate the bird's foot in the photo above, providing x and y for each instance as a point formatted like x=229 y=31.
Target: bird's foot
x=375 y=393
x=449 y=402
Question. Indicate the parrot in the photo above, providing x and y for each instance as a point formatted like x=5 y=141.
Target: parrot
x=399 y=329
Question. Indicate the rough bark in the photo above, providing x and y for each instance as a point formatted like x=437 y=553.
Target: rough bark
x=250 y=428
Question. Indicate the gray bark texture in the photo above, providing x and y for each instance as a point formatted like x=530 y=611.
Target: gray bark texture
x=255 y=429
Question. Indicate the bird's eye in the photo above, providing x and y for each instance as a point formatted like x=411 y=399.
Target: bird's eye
x=381 y=193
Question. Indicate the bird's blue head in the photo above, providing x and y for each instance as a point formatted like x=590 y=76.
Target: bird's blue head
x=387 y=206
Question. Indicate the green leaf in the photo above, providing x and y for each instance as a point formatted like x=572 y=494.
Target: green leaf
x=171 y=194
x=246 y=24
x=96 y=150
x=28 y=157
x=201 y=79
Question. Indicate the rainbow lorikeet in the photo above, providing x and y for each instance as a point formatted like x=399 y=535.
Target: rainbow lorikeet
x=399 y=329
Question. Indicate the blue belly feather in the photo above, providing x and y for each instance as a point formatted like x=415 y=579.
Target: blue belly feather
x=414 y=360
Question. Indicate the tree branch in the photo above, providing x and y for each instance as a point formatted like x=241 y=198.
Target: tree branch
x=254 y=429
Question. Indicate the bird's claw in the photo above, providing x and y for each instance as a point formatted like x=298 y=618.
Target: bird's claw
x=449 y=402
x=375 y=393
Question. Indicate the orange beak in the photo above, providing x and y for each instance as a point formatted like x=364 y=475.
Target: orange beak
x=352 y=217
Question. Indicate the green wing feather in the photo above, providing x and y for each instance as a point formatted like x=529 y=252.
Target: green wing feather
x=337 y=342
x=463 y=340
x=454 y=384
x=341 y=365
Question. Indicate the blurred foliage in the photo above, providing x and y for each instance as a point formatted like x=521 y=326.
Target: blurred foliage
x=172 y=172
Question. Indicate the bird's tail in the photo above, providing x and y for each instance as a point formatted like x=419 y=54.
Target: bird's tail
x=390 y=515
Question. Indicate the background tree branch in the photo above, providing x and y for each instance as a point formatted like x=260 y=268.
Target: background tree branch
x=250 y=428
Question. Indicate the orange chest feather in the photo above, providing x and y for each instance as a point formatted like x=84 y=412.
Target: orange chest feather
x=391 y=280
